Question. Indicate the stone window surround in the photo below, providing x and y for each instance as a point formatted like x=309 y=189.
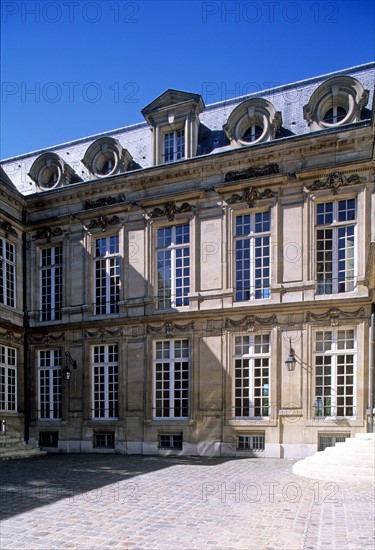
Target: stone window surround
x=338 y=91
x=106 y=148
x=255 y=111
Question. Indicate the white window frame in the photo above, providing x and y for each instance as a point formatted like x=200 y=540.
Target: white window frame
x=331 y=285
x=105 y=372
x=177 y=154
x=336 y=378
x=177 y=252
x=49 y=384
x=7 y=273
x=175 y=372
x=251 y=439
x=243 y=360
x=8 y=379
x=111 y=261
x=252 y=291
x=54 y=271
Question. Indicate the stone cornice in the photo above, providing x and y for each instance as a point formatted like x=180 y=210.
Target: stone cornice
x=175 y=197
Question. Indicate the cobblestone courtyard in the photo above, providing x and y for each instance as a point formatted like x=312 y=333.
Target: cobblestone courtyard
x=139 y=502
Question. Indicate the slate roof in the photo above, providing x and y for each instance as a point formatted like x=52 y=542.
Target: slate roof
x=137 y=139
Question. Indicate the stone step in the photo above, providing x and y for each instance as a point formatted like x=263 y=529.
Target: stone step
x=12 y=446
x=352 y=460
x=354 y=455
x=315 y=471
x=357 y=442
x=28 y=453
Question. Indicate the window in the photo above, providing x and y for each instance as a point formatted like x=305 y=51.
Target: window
x=337 y=101
x=334 y=372
x=251 y=376
x=49 y=384
x=8 y=381
x=170 y=441
x=335 y=246
x=7 y=273
x=174 y=146
x=48 y=439
x=252 y=121
x=334 y=115
x=330 y=440
x=253 y=133
x=252 y=264
x=51 y=283
x=105 y=381
x=172 y=379
x=105 y=156
x=107 y=275
x=173 y=265
x=104 y=440
x=251 y=442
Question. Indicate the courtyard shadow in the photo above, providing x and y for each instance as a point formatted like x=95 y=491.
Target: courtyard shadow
x=32 y=483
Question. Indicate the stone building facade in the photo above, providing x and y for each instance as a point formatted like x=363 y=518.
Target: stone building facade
x=172 y=267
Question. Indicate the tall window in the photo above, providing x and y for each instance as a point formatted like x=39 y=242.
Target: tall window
x=105 y=381
x=8 y=379
x=172 y=379
x=335 y=246
x=51 y=283
x=7 y=273
x=252 y=249
x=107 y=275
x=251 y=375
x=174 y=146
x=49 y=384
x=334 y=372
x=173 y=261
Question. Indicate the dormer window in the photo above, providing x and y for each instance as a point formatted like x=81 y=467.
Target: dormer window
x=106 y=157
x=174 y=146
x=50 y=171
x=174 y=121
x=337 y=101
x=252 y=121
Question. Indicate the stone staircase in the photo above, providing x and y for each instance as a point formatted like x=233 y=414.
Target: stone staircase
x=13 y=446
x=353 y=460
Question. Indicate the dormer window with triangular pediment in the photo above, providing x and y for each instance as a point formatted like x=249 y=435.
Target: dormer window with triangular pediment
x=174 y=121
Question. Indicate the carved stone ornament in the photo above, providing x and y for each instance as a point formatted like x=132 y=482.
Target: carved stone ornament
x=334 y=181
x=9 y=336
x=104 y=201
x=250 y=322
x=8 y=228
x=103 y=222
x=251 y=172
x=103 y=334
x=334 y=315
x=169 y=328
x=47 y=233
x=48 y=338
x=170 y=210
x=251 y=195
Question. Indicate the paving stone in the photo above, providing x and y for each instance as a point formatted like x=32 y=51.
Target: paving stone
x=126 y=502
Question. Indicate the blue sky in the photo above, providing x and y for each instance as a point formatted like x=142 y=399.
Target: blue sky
x=74 y=68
